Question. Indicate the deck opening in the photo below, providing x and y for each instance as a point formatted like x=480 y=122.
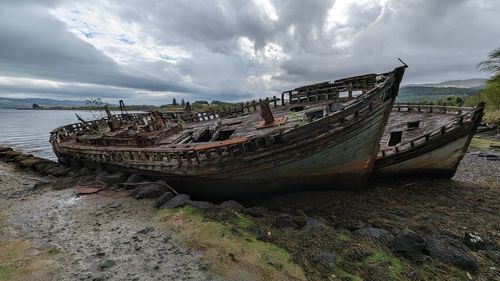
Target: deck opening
x=224 y=135
x=343 y=94
x=395 y=138
x=412 y=125
x=297 y=108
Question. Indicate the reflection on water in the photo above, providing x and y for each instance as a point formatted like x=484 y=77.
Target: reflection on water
x=29 y=130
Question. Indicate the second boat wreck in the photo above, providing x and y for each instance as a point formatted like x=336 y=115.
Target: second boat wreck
x=280 y=147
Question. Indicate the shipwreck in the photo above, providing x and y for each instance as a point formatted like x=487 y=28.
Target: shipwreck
x=426 y=140
x=267 y=146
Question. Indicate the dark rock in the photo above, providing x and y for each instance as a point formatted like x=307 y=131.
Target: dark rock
x=85 y=171
x=477 y=242
x=150 y=191
x=312 y=223
x=115 y=178
x=408 y=243
x=31 y=162
x=376 y=233
x=5 y=149
x=61 y=171
x=328 y=257
x=115 y=205
x=202 y=205
x=284 y=221
x=177 y=201
x=232 y=206
x=164 y=198
x=146 y=230
x=134 y=178
x=255 y=212
x=450 y=251
x=107 y=263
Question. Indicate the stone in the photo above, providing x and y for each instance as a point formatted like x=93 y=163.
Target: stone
x=202 y=205
x=409 y=243
x=61 y=171
x=450 y=251
x=255 y=212
x=177 y=201
x=150 y=191
x=163 y=199
x=134 y=178
x=475 y=241
x=118 y=177
x=107 y=263
x=376 y=234
x=85 y=172
x=284 y=221
x=312 y=223
x=232 y=205
x=31 y=162
x=328 y=257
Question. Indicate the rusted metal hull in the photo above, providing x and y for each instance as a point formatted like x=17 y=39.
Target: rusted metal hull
x=439 y=156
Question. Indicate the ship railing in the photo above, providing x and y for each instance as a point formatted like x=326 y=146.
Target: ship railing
x=415 y=107
x=466 y=113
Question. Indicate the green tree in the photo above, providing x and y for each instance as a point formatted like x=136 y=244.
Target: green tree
x=492 y=64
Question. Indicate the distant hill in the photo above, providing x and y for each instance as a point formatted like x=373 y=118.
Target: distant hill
x=28 y=102
x=435 y=91
x=467 y=83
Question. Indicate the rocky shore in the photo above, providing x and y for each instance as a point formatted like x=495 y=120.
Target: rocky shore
x=62 y=223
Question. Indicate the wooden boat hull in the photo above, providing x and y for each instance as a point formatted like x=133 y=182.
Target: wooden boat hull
x=439 y=157
x=343 y=161
x=336 y=151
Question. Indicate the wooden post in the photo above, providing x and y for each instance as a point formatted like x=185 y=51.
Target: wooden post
x=266 y=113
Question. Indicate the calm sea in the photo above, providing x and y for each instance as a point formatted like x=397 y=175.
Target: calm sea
x=29 y=130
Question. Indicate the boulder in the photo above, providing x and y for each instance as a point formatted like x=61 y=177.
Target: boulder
x=202 y=205
x=408 y=243
x=11 y=154
x=118 y=177
x=149 y=191
x=232 y=205
x=255 y=212
x=313 y=223
x=328 y=257
x=5 y=149
x=107 y=264
x=450 y=251
x=284 y=221
x=376 y=234
x=31 y=162
x=177 y=201
x=134 y=178
x=60 y=171
x=475 y=241
x=163 y=199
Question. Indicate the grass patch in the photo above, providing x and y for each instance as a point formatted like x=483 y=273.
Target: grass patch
x=394 y=266
x=232 y=251
x=341 y=274
x=483 y=143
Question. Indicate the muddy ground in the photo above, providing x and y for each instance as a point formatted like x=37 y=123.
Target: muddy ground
x=48 y=233
x=92 y=237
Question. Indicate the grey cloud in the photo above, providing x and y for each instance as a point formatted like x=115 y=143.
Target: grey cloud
x=34 y=44
x=440 y=40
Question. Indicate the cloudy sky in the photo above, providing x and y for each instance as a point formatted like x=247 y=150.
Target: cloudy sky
x=150 y=51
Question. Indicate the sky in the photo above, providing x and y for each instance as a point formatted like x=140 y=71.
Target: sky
x=150 y=51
